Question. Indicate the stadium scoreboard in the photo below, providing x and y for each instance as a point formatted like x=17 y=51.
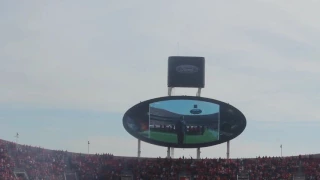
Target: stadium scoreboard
x=186 y=71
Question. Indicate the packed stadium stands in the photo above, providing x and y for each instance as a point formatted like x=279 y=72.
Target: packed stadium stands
x=25 y=162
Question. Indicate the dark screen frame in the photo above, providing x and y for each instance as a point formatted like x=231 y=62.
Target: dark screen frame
x=142 y=109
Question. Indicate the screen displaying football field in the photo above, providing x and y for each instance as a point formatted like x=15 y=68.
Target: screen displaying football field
x=183 y=122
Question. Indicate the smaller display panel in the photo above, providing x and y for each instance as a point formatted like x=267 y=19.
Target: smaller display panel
x=186 y=71
x=184 y=121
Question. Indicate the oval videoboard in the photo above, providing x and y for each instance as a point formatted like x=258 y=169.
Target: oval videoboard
x=184 y=121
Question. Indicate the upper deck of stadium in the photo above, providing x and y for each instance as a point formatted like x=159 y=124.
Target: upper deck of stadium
x=27 y=162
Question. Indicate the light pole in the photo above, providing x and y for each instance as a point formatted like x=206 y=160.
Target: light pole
x=17 y=137
x=281 y=149
x=88 y=146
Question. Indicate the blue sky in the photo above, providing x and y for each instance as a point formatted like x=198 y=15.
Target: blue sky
x=70 y=69
x=184 y=106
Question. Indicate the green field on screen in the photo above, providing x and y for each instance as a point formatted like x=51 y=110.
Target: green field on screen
x=208 y=136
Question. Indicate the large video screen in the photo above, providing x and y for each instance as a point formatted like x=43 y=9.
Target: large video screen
x=183 y=121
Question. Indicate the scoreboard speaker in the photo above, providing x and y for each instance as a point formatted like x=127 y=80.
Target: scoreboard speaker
x=184 y=71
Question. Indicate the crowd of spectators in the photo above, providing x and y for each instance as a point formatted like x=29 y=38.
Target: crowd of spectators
x=311 y=167
x=41 y=164
x=6 y=164
x=34 y=162
x=95 y=166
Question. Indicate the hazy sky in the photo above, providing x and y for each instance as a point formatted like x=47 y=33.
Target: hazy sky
x=70 y=69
